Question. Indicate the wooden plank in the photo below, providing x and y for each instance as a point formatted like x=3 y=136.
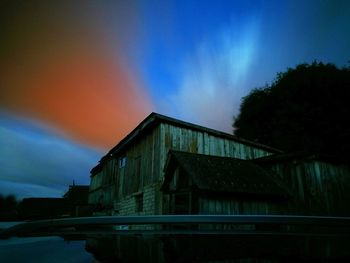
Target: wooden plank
x=206 y=143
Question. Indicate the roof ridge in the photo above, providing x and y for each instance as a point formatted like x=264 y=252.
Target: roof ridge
x=152 y=119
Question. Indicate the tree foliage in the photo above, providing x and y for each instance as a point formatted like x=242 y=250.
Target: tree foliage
x=8 y=208
x=305 y=108
x=7 y=203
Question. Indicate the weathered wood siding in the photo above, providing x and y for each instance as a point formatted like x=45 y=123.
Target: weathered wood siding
x=211 y=203
x=142 y=166
x=187 y=140
x=95 y=189
x=237 y=206
x=103 y=185
x=145 y=160
x=318 y=187
x=139 y=176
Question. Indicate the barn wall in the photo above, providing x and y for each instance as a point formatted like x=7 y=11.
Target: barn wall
x=127 y=206
x=95 y=188
x=319 y=188
x=187 y=140
x=140 y=175
x=145 y=160
x=102 y=184
x=236 y=206
x=142 y=167
x=118 y=184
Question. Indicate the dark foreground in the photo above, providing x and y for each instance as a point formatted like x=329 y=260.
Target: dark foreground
x=179 y=243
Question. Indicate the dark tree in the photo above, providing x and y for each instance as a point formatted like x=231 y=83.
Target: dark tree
x=306 y=108
x=7 y=203
x=8 y=208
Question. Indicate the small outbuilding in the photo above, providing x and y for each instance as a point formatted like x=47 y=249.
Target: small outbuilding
x=77 y=197
x=205 y=184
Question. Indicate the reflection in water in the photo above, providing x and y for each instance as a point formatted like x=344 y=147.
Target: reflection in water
x=43 y=249
x=218 y=248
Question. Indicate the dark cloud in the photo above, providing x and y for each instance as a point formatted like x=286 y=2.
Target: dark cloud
x=34 y=161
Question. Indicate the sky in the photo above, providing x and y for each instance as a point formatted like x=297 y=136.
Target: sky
x=77 y=76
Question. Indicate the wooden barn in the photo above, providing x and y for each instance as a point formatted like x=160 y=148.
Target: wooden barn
x=128 y=179
x=168 y=166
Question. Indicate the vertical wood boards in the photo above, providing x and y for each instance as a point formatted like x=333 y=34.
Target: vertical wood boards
x=318 y=187
x=146 y=157
x=237 y=206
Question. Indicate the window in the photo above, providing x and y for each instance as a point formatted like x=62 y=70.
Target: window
x=122 y=162
x=139 y=203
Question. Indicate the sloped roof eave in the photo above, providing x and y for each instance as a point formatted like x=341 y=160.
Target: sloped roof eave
x=153 y=119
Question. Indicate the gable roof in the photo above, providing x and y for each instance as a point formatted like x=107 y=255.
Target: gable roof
x=223 y=174
x=77 y=193
x=154 y=119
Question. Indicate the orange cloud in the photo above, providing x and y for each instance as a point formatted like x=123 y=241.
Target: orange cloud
x=71 y=79
x=91 y=98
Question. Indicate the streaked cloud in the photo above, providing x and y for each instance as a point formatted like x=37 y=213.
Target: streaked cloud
x=35 y=162
x=62 y=64
x=213 y=78
x=26 y=190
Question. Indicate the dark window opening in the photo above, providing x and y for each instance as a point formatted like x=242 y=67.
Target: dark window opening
x=139 y=203
x=182 y=180
x=181 y=204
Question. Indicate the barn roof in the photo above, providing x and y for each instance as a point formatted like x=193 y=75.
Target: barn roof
x=223 y=174
x=154 y=119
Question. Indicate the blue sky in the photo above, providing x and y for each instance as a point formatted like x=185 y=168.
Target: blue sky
x=36 y=162
x=77 y=76
x=198 y=54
